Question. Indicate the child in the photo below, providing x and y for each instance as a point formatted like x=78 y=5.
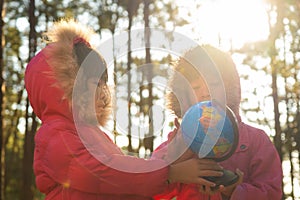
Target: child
x=73 y=158
x=255 y=160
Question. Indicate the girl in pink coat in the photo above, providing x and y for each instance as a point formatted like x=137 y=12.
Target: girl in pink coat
x=255 y=160
x=73 y=158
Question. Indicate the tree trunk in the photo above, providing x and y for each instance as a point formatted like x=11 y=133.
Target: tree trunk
x=31 y=125
x=129 y=61
x=2 y=166
x=148 y=140
x=274 y=34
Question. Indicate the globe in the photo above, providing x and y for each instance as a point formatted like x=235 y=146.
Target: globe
x=210 y=130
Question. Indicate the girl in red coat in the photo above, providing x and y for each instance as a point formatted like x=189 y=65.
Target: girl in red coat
x=73 y=158
x=255 y=160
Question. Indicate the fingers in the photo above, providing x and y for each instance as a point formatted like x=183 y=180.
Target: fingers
x=207 y=173
x=176 y=122
x=204 y=184
x=201 y=189
x=209 y=162
x=241 y=176
x=172 y=135
x=207 y=189
x=221 y=187
x=194 y=171
x=210 y=165
x=227 y=191
x=239 y=172
x=208 y=168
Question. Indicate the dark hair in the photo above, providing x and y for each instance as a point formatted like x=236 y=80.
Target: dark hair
x=91 y=65
x=90 y=60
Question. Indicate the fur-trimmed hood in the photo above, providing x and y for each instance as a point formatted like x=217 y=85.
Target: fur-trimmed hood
x=51 y=74
x=46 y=99
x=61 y=56
x=204 y=58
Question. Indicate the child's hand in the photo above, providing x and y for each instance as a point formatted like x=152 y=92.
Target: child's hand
x=172 y=135
x=192 y=171
x=204 y=189
x=227 y=191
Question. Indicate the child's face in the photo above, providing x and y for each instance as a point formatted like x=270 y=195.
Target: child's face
x=101 y=101
x=98 y=85
x=203 y=91
x=200 y=89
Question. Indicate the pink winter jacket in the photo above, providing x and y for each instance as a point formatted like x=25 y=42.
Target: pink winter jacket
x=63 y=165
x=256 y=157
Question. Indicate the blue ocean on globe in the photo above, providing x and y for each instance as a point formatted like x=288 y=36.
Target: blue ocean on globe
x=207 y=130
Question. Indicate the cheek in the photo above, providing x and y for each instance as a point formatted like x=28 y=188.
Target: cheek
x=202 y=94
x=219 y=93
x=98 y=93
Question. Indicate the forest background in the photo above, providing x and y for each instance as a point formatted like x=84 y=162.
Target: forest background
x=269 y=67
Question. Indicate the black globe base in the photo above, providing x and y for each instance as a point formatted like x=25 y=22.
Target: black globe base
x=228 y=178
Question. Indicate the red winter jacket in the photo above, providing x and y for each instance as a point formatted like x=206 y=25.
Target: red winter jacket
x=86 y=166
x=256 y=157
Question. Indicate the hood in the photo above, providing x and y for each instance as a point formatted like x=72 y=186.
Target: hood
x=50 y=75
x=185 y=73
x=46 y=98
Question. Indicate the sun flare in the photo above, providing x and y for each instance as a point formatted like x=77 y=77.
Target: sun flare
x=230 y=22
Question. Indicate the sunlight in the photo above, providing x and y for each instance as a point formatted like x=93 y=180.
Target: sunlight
x=229 y=23
x=243 y=21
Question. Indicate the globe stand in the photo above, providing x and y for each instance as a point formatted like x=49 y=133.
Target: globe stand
x=228 y=178
x=191 y=128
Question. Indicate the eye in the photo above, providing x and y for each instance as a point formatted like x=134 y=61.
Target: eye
x=197 y=87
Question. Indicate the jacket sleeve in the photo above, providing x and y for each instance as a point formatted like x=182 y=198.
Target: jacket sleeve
x=172 y=190
x=72 y=164
x=265 y=172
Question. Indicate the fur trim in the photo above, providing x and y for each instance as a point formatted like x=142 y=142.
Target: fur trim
x=63 y=61
x=60 y=56
x=224 y=64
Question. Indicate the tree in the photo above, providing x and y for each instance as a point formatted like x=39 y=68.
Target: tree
x=131 y=6
x=31 y=125
x=148 y=140
x=108 y=15
x=281 y=50
x=1 y=102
